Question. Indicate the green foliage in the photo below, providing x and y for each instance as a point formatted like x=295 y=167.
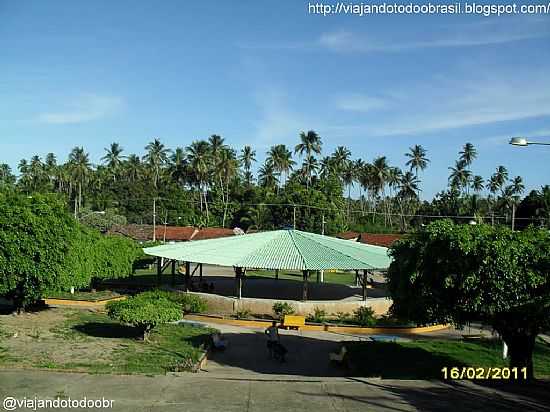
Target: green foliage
x=35 y=238
x=188 y=302
x=283 y=308
x=43 y=249
x=101 y=221
x=243 y=314
x=456 y=273
x=144 y=312
x=319 y=315
x=364 y=316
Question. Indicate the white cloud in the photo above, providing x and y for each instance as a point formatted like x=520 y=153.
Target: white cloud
x=360 y=103
x=480 y=33
x=84 y=109
x=443 y=104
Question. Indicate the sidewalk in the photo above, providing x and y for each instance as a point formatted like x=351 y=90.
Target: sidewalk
x=196 y=392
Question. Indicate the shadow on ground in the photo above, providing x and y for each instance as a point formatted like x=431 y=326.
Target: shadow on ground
x=452 y=396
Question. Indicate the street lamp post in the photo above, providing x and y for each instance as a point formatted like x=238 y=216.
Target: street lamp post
x=522 y=141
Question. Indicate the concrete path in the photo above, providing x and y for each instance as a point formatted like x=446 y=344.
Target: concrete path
x=195 y=392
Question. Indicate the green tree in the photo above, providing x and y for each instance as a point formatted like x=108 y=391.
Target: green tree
x=453 y=273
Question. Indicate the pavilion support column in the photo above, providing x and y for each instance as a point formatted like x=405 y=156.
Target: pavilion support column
x=305 y=285
x=238 y=282
x=200 y=273
x=357 y=283
x=159 y=271
x=187 y=276
x=318 y=276
x=364 y=284
x=173 y=273
x=276 y=274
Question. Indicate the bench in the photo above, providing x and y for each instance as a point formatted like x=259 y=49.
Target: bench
x=293 y=322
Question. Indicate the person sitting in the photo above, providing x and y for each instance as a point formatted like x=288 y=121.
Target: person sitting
x=219 y=342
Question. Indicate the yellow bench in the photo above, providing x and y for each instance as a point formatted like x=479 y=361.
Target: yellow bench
x=293 y=321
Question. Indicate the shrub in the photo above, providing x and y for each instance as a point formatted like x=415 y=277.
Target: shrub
x=343 y=317
x=243 y=314
x=144 y=312
x=188 y=302
x=319 y=315
x=283 y=308
x=364 y=316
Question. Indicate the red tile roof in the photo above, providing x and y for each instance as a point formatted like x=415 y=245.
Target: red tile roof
x=348 y=235
x=212 y=233
x=170 y=233
x=176 y=233
x=379 y=239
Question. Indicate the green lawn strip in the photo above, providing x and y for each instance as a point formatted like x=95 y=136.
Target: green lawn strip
x=170 y=346
x=424 y=359
x=340 y=278
x=90 y=296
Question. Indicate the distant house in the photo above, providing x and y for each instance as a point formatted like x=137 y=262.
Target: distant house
x=376 y=239
x=143 y=233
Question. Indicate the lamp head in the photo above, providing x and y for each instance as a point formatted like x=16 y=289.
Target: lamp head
x=519 y=141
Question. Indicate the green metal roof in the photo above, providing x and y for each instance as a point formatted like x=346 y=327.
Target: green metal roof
x=278 y=249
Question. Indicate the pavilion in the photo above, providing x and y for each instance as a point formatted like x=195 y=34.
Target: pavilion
x=274 y=250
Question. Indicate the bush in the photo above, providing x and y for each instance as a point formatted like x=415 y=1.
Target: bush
x=243 y=314
x=343 y=317
x=188 y=302
x=364 y=316
x=319 y=315
x=283 y=308
x=144 y=312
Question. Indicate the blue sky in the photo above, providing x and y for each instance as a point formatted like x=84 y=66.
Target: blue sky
x=258 y=72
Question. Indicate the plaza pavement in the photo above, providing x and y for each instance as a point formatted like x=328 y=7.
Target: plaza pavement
x=203 y=393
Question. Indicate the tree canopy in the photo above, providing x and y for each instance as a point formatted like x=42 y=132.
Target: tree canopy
x=460 y=273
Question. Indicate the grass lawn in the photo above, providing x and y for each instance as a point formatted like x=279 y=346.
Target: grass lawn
x=91 y=342
x=91 y=296
x=424 y=359
x=341 y=278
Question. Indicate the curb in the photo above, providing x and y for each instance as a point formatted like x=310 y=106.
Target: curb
x=321 y=328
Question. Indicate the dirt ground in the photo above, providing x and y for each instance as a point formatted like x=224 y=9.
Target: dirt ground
x=44 y=339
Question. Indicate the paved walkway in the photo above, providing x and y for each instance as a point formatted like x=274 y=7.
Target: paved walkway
x=195 y=392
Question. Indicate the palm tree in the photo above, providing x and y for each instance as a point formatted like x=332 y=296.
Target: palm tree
x=178 y=166
x=6 y=176
x=417 y=158
x=113 y=158
x=513 y=192
x=156 y=158
x=309 y=167
x=326 y=167
x=468 y=154
x=477 y=184
x=281 y=158
x=460 y=176
x=408 y=191
x=133 y=167
x=310 y=143
x=340 y=157
x=379 y=171
x=80 y=168
x=199 y=158
x=226 y=168
x=417 y=161
x=500 y=177
x=267 y=176
x=348 y=178
x=247 y=157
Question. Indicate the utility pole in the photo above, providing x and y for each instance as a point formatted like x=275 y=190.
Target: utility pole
x=294 y=212
x=154 y=218
x=322 y=272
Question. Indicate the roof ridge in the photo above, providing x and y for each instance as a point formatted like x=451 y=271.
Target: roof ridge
x=291 y=233
x=314 y=238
